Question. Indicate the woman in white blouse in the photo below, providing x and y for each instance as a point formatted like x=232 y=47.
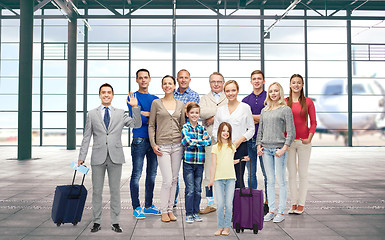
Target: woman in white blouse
x=239 y=115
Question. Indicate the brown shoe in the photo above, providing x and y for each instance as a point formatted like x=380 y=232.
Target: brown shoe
x=165 y=217
x=171 y=216
x=208 y=209
x=292 y=209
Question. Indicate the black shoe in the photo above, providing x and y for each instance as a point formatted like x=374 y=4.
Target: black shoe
x=265 y=209
x=96 y=227
x=115 y=227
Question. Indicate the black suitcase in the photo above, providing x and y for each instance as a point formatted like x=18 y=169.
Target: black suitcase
x=68 y=203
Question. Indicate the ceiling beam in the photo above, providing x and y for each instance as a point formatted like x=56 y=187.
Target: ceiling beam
x=133 y=10
x=41 y=4
x=106 y=6
x=9 y=8
x=208 y=7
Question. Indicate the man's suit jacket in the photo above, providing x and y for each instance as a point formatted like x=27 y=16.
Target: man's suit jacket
x=107 y=140
x=209 y=107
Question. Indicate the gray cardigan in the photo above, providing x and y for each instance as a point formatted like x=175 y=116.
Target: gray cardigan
x=271 y=131
x=164 y=128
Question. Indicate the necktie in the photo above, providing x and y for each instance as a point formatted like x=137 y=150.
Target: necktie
x=106 y=117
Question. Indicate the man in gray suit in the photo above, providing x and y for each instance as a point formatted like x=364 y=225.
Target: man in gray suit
x=209 y=104
x=106 y=123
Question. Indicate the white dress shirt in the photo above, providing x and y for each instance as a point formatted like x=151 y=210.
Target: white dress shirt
x=103 y=110
x=241 y=121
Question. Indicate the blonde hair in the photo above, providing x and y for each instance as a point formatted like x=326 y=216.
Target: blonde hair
x=269 y=103
x=219 y=135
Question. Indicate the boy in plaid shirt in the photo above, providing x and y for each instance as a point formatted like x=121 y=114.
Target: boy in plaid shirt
x=194 y=140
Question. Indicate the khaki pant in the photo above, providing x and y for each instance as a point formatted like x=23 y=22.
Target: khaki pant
x=169 y=165
x=298 y=162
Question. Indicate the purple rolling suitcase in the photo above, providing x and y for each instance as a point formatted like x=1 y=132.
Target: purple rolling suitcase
x=248 y=209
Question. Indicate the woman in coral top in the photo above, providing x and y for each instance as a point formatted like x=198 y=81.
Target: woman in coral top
x=300 y=149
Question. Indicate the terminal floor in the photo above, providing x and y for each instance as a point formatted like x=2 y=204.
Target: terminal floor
x=346 y=200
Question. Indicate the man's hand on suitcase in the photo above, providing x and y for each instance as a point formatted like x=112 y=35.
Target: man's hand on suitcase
x=80 y=162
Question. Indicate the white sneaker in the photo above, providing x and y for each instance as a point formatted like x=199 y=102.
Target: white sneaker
x=279 y=218
x=268 y=217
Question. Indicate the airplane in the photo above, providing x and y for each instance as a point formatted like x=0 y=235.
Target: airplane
x=368 y=103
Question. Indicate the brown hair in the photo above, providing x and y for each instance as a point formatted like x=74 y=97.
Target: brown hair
x=191 y=106
x=301 y=100
x=257 y=72
x=219 y=133
x=230 y=82
x=183 y=70
x=169 y=76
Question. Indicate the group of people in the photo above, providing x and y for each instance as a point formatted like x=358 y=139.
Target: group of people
x=233 y=135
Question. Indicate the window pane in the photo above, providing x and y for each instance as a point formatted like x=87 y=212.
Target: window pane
x=55 y=103
x=284 y=52
x=327 y=52
x=197 y=51
x=8 y=120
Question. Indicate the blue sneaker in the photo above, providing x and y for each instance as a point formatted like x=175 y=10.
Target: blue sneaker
x=152 y=210
x=189 y=219
x=197 y=218
x=138 y=213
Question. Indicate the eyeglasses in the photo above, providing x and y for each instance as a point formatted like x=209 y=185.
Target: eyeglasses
x=216 y=82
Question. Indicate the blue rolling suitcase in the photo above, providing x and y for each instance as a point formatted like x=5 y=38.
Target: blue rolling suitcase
x=68 y=203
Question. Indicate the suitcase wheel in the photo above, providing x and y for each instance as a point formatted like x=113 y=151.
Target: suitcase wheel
x=237 y=227
x=58 y=223
x=255 y=228
x=242 y=229
x=75 y=222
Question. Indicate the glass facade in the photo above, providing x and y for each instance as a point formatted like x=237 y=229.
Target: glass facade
x=117 y=48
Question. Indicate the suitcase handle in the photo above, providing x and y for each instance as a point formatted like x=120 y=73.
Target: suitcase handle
x=250 y=194
x=72 y=185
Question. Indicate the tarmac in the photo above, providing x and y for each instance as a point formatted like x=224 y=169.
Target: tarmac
x=346 y=200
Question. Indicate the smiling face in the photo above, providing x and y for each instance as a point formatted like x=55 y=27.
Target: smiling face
x=143 y=79
x=193 y=115
x=257 y=81
x=296 y=84
x=106 y=95
x=231 y=92
x=168 y=85
x=225 y=134
x=216 y=83
x=274 y=93
x=183 y=80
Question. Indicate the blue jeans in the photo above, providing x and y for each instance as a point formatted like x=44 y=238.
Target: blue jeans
x=140 y=148
x=224 y=195
x=192 y=176
x=275 y=166
x=252 y=149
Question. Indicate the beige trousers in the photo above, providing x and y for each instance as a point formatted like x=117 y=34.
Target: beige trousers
x=298 y=162
x=169 y=165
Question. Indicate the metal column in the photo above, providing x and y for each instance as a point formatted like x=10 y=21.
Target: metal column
x=262 y=34
x=350 y=78
x=41 y=77
x=71 y=83
x=25 y=81
x=306 y=57
x=85 y=73
x=174 y=39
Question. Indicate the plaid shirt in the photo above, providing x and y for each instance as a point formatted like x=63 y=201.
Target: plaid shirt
x=194 y=153
x=188 y=96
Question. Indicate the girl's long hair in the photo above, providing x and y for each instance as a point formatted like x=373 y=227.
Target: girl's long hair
x=301 y=100
x=219 y=135
x=269 y=103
